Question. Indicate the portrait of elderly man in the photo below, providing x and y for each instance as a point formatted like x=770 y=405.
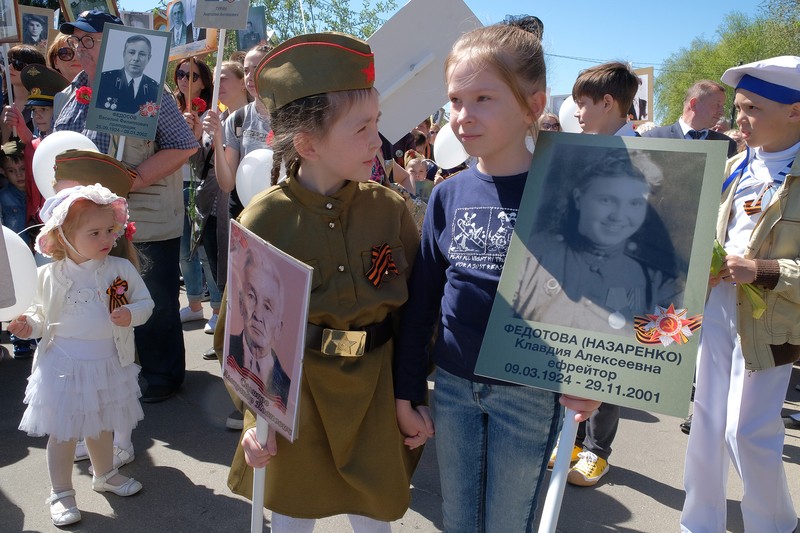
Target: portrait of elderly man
x=261 y=308
x=126 y=89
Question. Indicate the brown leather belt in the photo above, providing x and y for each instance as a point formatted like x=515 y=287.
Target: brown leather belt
x=349 y=343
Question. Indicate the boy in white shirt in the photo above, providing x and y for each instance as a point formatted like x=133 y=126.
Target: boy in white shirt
x=745 y=362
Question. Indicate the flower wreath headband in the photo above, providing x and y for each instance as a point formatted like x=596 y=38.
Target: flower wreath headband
x=56 y=208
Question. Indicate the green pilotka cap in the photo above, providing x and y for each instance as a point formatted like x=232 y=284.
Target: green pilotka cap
x=87 y=167
x=314 y=63
x=42 y=84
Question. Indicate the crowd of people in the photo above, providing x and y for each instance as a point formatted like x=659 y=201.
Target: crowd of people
x=119 y=234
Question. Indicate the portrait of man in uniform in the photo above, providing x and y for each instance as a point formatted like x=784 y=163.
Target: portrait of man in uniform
x=126 y=89
x=34 y=30
x=261 y=307
x=255 y=32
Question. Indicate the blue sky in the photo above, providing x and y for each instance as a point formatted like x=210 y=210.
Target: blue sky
x=643 y=32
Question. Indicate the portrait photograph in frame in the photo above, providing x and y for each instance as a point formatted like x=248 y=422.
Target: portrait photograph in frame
x=642 y=106
x=9 y=32
x=265 y=326
x=126 y=95
x=604 y=282
x=160 y=20
x=34 y=23
x=255 y=31
x=137 y=19
x=185 y=38
x=73 y=8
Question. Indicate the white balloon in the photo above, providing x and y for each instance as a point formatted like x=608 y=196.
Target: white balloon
x=23 y=275
x=253 y=174
x=448 y=151
x=44 y=158
x=566 y=116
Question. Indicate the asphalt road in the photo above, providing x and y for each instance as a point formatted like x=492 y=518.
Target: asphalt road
x=183 y=452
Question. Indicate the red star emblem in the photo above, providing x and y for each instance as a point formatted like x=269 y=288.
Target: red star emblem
x=369 y=72
x=669 y=325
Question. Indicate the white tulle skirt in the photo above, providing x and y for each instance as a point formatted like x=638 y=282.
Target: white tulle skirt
x=79 y=389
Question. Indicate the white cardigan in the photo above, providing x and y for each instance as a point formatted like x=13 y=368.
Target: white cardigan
x=51 y=295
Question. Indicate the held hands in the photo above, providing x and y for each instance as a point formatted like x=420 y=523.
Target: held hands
x=255 y=454
x=415 y=423
x=20 y=327
x=584 y=407
x=121 y=316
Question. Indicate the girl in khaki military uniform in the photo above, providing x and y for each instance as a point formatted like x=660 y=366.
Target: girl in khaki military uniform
x=361 y=240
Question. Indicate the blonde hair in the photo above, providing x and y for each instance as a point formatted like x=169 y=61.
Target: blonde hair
x=52 y=51
x=515 y=54
x=76 y=216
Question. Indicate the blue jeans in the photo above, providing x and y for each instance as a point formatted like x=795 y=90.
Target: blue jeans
x=493 y=443
x=190 y=268
x=198 y=267
x=159 y=341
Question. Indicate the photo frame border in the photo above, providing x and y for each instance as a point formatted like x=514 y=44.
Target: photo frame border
x=545 y=356
x=150 y=18
x=16 y=37
x=49 y=14
x=69 y=16
x=132 y=124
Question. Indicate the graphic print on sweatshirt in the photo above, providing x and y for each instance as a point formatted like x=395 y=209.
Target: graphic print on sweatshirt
x=480 y=237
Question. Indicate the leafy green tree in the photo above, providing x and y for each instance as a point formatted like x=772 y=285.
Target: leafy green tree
x=291 y=17
x=287 y=19
x=740 y=39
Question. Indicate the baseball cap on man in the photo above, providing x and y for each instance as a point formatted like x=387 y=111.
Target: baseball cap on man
x=90 y=22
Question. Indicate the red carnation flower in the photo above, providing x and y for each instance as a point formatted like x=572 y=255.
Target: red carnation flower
x=83 y=95
x=198 y=104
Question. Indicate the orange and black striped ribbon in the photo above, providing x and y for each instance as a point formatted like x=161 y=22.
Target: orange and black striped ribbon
x=382 y=264
x=116 y=294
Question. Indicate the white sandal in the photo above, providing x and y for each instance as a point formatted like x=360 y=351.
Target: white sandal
x=129 y=488
x=121 y=457
x=67 y=516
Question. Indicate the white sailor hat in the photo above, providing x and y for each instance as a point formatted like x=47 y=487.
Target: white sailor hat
x=777 y=78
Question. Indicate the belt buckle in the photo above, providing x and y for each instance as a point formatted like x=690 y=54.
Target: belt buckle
x=343 y=343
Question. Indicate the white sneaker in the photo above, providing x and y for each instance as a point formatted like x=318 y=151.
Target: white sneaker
x=187 y=315
x=211 y=325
